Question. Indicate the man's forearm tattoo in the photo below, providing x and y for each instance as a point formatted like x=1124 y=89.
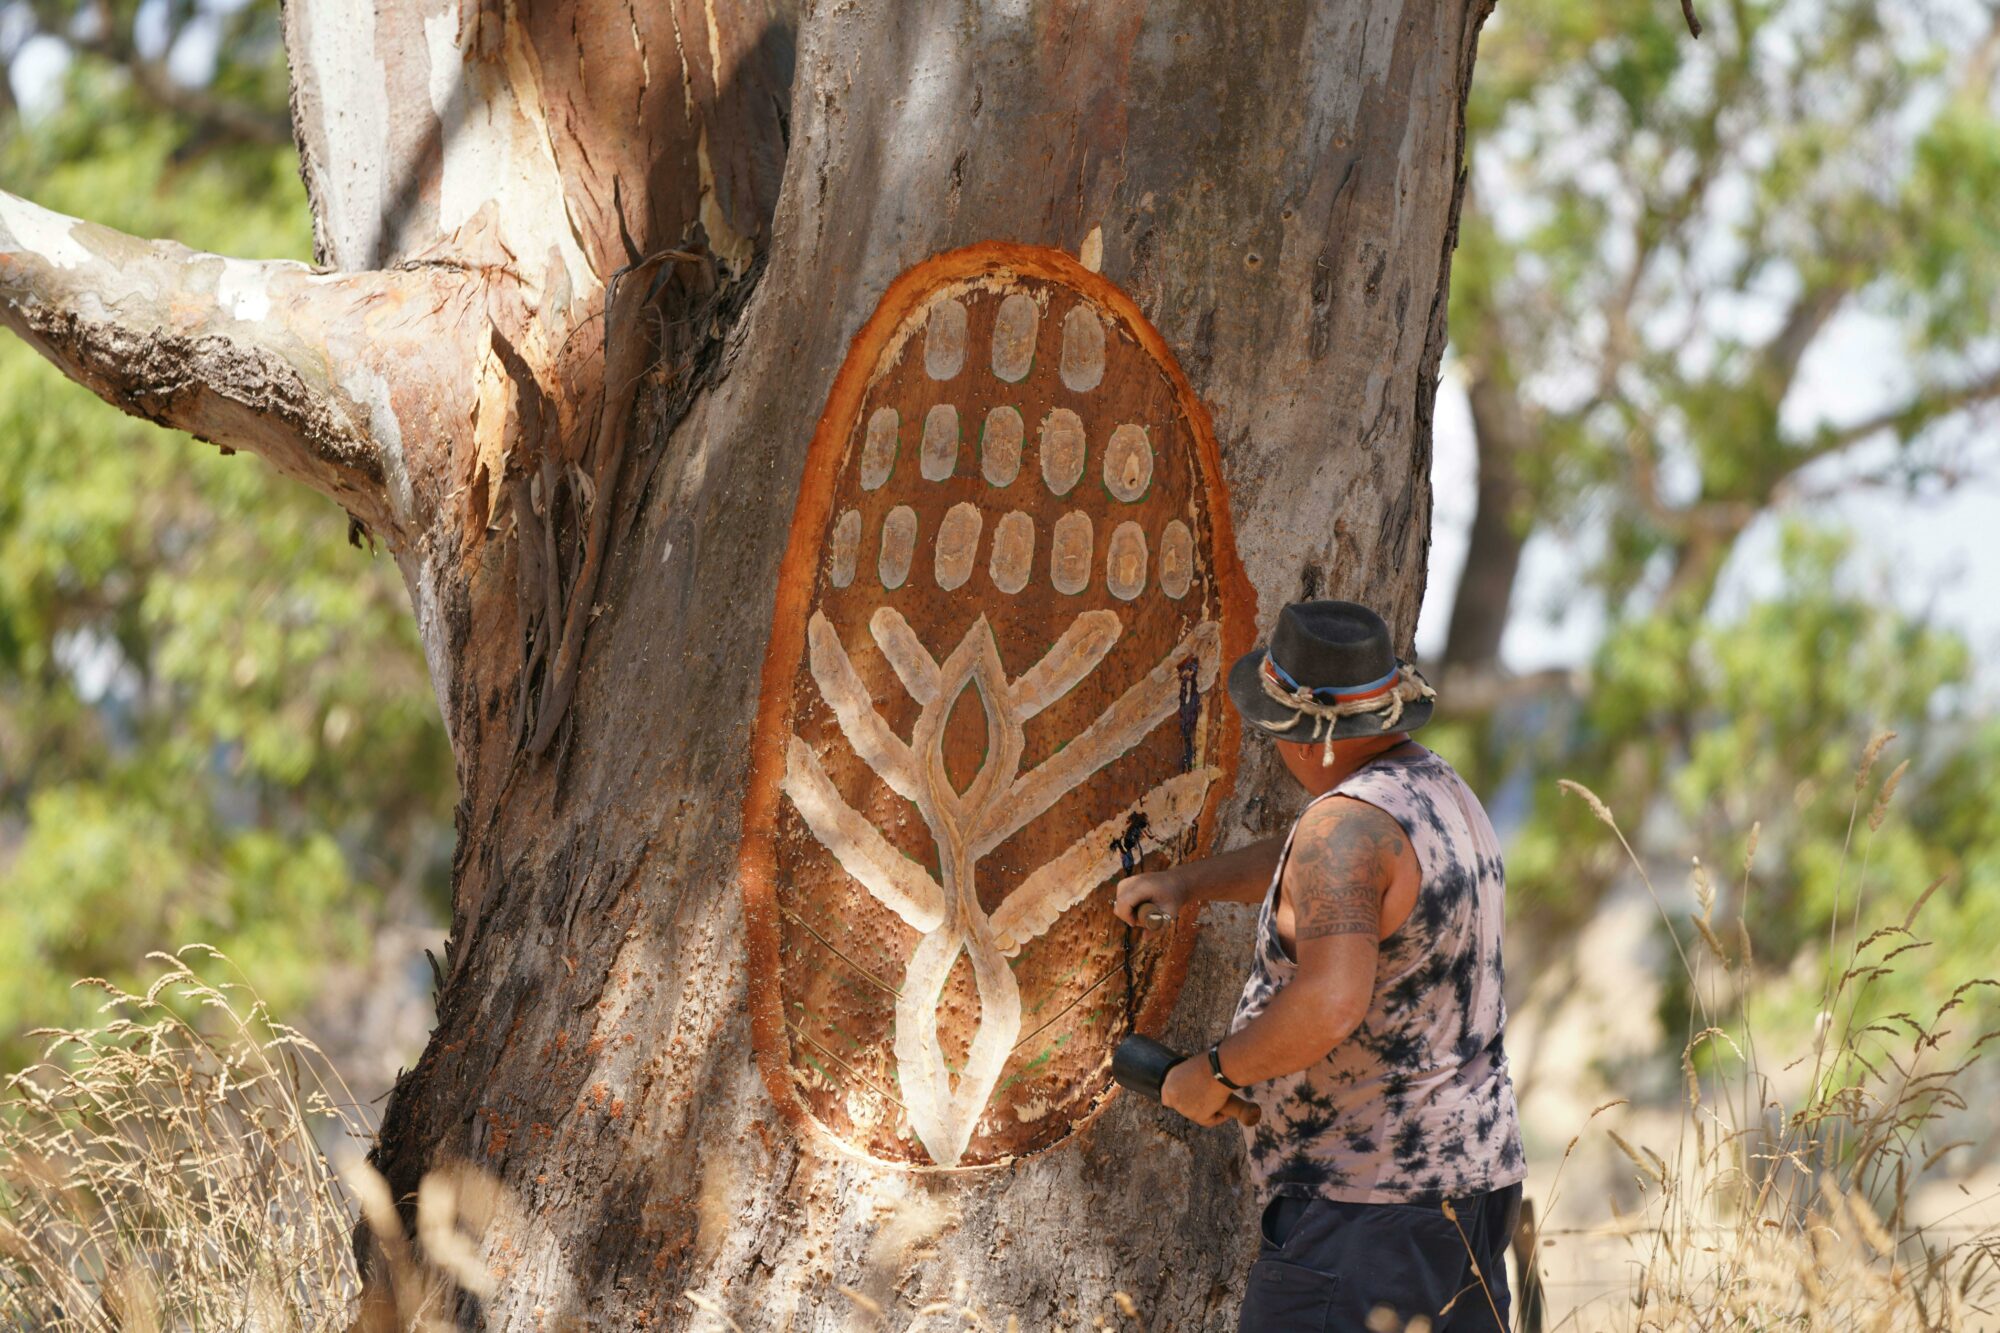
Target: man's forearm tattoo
x=1338 y=874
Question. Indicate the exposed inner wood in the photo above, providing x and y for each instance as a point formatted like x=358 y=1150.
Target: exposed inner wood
x=1060 y=725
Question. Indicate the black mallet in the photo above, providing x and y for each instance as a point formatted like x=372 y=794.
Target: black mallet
x=1141 y=1064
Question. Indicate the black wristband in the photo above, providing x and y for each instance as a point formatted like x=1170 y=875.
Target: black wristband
x=1215 y=1067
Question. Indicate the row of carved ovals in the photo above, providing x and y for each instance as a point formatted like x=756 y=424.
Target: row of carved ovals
x=1011 y=559
x=1016 y=326
x=1128 y=454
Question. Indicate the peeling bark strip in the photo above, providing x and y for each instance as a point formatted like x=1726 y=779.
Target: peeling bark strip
x=580 y=134
x=1008 y=594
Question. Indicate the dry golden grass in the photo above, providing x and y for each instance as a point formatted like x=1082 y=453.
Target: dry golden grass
x=168 y=1168
x=1784 y=1200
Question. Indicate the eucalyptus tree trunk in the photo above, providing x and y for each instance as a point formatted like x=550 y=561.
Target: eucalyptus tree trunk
x=589 y=276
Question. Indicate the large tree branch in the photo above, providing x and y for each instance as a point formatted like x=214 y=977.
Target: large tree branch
x=1705 y=531
x=1502 y=436
x=1907 y=419
x=265 y=356
x=1804 y=322
x=1475 y=693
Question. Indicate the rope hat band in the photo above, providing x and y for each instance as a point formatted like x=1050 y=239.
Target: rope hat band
x=1326 y=706
x=1330 y=694
x=1329 y=671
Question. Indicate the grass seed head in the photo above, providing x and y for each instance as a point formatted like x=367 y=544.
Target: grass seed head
x=1869 y=754
x=1887 y=794
x=1708 y=937
x=1704 y=891
x=1590 y=798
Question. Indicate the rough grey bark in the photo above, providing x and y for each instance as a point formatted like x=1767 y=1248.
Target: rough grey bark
x=642 y=322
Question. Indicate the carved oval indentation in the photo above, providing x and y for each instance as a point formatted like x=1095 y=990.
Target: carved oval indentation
x=1128 y=463
x=1013 y=552
x=944 y=340
x=1176 y=560
x=1069 y=553
x=1062 y=451
x=878 y=450
x=899 y=546
x=845 y=548
x=1125 y=561
x=949 y=757
x=957 y=544
x=940 y=448
x=966 y=741
x=1014 y=329
x=1000 y=445
x=1082 y=349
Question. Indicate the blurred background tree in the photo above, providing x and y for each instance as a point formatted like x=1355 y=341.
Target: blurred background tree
x=215 y=721
x=1670 y=249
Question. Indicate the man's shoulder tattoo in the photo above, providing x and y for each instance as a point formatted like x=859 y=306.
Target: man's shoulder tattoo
x=1341 y=864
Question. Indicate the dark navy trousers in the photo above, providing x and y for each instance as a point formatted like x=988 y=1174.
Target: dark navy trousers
x=1324 y=1266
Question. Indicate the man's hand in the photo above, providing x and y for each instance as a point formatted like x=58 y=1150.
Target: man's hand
x=1159 y=887
x=1192 y=1090
x=1241 y=876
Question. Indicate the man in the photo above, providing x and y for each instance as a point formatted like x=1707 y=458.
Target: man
x=1370 y=1028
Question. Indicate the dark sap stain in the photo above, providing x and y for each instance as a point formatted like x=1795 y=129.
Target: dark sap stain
x=1190 y=710
x=1127 y=844
x=1311 y=580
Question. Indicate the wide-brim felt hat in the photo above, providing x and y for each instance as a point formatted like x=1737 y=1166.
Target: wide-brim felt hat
x=1329 y=658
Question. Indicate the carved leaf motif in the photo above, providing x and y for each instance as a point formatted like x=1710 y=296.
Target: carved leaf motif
x=966 y=826
x=993 y=691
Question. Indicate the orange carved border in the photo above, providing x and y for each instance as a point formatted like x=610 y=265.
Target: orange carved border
x=757 y=857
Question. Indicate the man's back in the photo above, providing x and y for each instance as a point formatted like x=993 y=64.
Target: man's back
x=1415 y=1105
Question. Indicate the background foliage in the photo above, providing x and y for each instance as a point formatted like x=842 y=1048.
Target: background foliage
x=215 y=722
x=1681 y=264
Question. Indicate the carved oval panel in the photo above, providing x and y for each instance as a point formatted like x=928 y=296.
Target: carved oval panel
x=992 y=689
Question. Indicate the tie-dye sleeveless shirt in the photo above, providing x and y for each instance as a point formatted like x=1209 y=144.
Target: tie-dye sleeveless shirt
x=1416 y=1104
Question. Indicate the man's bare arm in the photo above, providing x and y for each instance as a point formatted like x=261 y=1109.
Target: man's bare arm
x=1344 y=860
x=1241 y=876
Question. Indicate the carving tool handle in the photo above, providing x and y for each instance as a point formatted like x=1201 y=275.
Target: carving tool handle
x=1141 y=1064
